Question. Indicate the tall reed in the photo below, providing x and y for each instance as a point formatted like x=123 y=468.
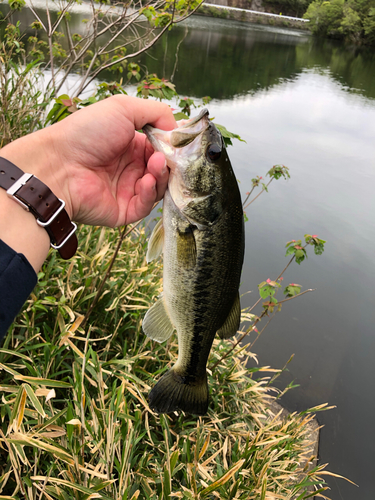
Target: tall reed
x=75 y=422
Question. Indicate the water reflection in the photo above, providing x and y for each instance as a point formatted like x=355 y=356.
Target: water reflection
x=223 y=59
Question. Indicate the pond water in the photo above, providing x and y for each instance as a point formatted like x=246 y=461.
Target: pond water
x=309 y=105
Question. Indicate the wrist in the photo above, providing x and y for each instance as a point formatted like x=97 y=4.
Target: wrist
x=37 y=154
x=35 y=181
x=19 y=230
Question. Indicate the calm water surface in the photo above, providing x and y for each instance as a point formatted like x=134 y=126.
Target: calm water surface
x=311 y=106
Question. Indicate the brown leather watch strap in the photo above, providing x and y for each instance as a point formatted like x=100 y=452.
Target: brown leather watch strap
x=33 y=195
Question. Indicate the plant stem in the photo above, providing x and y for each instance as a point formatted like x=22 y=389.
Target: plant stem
x=257 y=196
x=49 y=34
x=98 y=293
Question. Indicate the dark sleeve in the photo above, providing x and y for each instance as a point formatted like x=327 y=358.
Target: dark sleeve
x=17 y=280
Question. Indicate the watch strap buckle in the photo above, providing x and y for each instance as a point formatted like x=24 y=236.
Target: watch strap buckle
x=34 y=196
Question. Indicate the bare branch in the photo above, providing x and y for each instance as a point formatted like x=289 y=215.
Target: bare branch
x=31 y=7
x=189 y=14
x=69 y=36
x=61 y=16
x=297 y=295
x=117 y=34
x=105 y=66
x=114 y=21
x=131 y=42
x=49 y=34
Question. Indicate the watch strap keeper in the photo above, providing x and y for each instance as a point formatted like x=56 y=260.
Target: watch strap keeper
x=33 y=195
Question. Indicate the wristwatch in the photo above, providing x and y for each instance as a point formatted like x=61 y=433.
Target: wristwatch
x=34 y=196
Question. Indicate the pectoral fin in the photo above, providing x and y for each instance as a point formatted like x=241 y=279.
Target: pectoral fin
x=156 y=241
x=203 y=211
x=232 y=323
x=156 y=323
x=186 y=248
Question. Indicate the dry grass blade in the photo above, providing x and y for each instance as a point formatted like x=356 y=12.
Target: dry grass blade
x=223 y=479
x=24 y=440
x=95 y=435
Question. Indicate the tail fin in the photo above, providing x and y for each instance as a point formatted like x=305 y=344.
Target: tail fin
x=172 y=393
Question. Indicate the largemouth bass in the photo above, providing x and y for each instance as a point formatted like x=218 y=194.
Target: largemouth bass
x=201 y=235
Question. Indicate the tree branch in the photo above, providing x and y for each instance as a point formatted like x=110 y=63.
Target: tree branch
x=31 y=7
x=60 y=17
x=257 y=196
x=49 y=34
x=105 y=66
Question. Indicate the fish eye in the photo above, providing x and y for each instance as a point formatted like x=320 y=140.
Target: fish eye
x=213 y=152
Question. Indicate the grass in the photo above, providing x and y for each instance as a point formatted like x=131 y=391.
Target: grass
x=74 y=417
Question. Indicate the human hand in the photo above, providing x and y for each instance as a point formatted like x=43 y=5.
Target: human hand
x=97 y=162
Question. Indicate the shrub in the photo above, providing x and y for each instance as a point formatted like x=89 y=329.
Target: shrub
x=22 y=100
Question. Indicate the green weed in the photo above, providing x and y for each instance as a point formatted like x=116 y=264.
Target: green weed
x=74 y=417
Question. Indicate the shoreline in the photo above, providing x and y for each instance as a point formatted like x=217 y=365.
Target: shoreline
x=251 y=16
x=216 y=10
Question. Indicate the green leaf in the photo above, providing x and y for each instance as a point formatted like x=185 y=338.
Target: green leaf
x=72 y=486
x=57 y=451
x=173 y=460
x=292 y=289
x=43 y=381
x=17 y=354
x=34 y=400
x=180 y=116
x=228 y=136
x=278 y=171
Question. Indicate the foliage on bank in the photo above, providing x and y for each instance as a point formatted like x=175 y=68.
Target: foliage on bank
x=22 y=101
x=108 y=41
x=295 y=8
x=349 y=20
x=353 y=20
x=74 y=417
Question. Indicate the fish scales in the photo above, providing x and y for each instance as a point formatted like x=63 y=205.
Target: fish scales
x=203 y=247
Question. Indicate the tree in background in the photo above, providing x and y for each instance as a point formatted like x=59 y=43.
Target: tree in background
x=352 y=20
x=22 y=100
x=108 y=40
x=295 y=8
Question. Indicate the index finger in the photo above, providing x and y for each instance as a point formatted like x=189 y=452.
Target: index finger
x=144 y=111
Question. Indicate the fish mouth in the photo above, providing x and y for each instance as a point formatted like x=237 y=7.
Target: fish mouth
x=170 y=142
x=193 y=121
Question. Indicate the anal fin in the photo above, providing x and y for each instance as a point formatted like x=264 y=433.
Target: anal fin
x=232 y=323
x=156 y=323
